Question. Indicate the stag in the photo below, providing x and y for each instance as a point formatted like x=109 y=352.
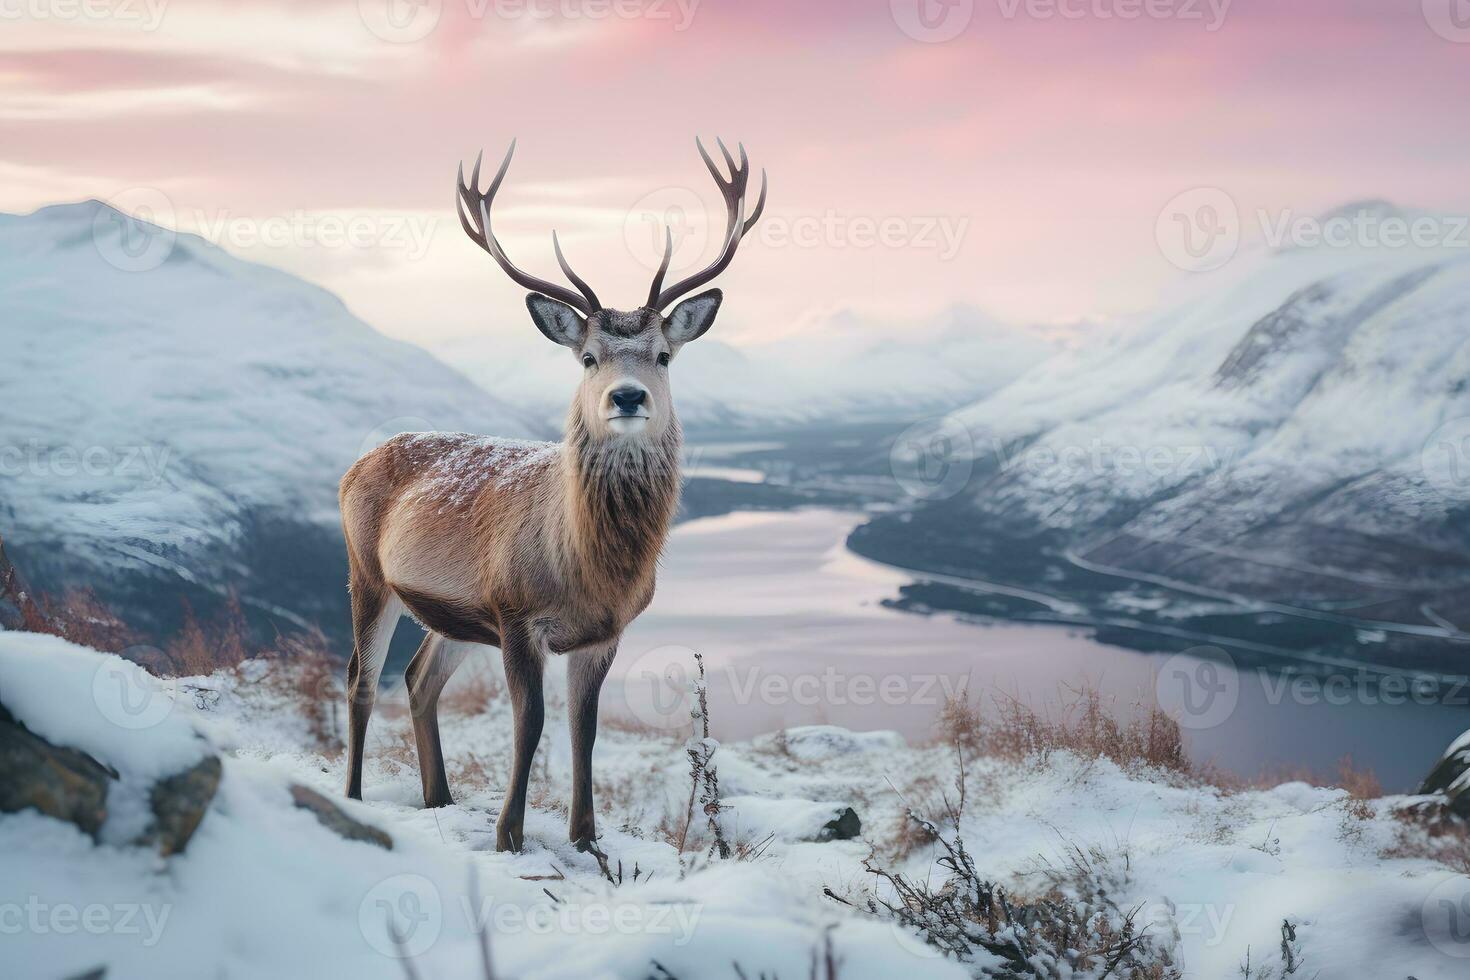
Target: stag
x=535 y=548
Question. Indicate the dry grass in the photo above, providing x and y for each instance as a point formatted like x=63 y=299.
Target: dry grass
x=472 y=772
x=1428 y=830
x=614 y=722
x=1145 y=738
x=1360 y=784
x=202 y=647
x=471 y=694
x=1074 y=925
x=399 y=748
x=77 y=615
x=1141 y=737
x=308 y=675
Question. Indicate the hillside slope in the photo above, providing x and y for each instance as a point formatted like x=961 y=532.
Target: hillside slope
x=175 y=420
x=268 y=887
x=1296 y=437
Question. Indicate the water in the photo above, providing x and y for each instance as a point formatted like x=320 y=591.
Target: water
x=792 y=632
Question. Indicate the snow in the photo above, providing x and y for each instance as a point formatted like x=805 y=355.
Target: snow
x=461 y=465
x=151 y=414
x=72 y=696
x=1297 y=426
x=1306 y=369
x=265 y=891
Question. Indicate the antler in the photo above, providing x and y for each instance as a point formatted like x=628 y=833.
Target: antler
x=733 y=191
x=470 y=199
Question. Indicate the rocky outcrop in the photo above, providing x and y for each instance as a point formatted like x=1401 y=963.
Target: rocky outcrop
x=179 y=803
x=330 y=816
x=70 y=785
x=59 y=782
x=845 y=826
x=1450 y=777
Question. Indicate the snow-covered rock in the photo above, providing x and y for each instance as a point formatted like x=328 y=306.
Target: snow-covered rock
x=1450 y=776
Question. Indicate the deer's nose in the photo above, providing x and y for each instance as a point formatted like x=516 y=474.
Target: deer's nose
x=628 y=399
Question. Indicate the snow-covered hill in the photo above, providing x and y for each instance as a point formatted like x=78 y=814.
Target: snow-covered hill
x=1298 y=432
x=172 y=415
x=267 y=872
x=837 y=368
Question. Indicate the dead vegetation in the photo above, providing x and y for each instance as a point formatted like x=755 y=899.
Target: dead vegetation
x=305 y=673
x=1288 y=965
x=1140 y=738
x=77 y=615
x=1427 y=829
x=704 y=778
x=1072 y=926
x=1360 y=784
x=1085 y=725
x=473 y=694
x=203 y=646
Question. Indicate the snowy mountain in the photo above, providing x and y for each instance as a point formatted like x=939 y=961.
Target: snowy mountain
x=175 y=420
x=837 y=368
x=1299 y=434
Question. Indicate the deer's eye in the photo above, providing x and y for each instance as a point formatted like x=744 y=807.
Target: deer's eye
x=663 y=359
x=588 y=361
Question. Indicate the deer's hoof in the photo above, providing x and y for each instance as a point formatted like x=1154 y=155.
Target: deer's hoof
x=582 y=836
x=508 y=839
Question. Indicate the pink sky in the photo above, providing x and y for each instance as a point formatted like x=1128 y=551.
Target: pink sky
x=1045 y=144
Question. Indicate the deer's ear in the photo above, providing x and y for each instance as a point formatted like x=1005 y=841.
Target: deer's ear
x=691 y=318
x=558 y=321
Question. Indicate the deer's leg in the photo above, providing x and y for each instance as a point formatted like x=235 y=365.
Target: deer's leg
x=523 y=680
x=428 y=672
x=585 y=674
x=375 y=611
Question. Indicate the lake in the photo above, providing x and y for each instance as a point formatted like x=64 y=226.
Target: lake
x=792 y=631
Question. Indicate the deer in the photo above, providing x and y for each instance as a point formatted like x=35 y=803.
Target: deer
x=537 y=548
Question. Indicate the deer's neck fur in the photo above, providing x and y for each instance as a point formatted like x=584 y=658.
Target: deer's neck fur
x=620 y=497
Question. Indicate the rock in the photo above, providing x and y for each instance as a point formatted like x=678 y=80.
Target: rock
x=846 y=826
x=179 y=803
x=792 y=820
x=1450 y=777
x=59 y=782
x=330 y=816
